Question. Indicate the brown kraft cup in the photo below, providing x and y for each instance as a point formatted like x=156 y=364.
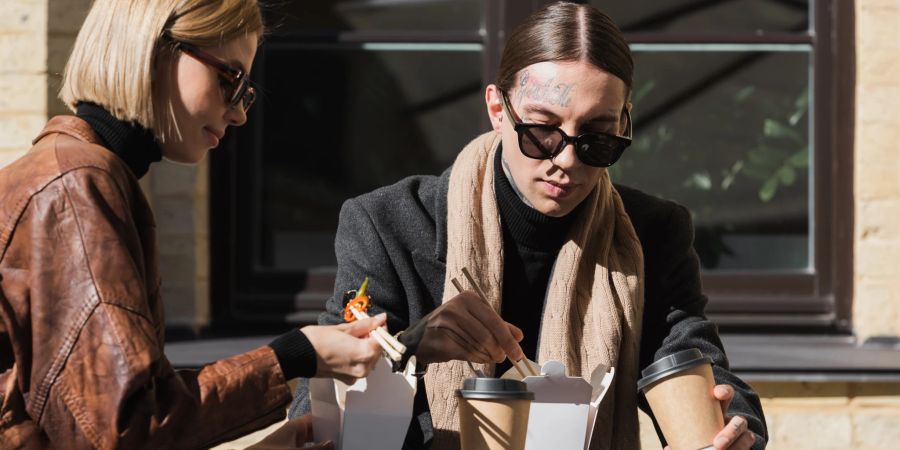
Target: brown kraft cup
x=679 y=389
x=493 y=414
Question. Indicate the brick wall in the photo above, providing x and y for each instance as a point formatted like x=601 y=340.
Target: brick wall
x=876 y=300
x=23 y=74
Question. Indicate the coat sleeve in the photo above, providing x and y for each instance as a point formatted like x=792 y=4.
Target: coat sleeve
x=674 y=315
x=98 y=375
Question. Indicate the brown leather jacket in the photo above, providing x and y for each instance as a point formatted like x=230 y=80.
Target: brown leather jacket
x=81 y=335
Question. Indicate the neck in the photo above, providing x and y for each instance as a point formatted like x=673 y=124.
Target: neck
x=512 y=182
x=134 y=144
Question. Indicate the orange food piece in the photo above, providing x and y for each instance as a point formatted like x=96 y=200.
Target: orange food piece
x=360 y=303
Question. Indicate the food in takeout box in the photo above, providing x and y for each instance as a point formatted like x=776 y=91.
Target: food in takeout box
x=564 y=410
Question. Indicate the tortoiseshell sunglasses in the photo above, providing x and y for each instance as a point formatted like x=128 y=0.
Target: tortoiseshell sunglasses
x=235 y=82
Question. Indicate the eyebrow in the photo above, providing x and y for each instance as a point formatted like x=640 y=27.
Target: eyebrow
x=607 y=117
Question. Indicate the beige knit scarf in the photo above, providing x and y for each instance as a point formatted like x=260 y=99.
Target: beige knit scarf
x=594 y=302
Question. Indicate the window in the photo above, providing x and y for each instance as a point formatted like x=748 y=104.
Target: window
x=736 y=108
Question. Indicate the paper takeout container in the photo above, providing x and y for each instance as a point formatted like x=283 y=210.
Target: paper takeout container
x=564 y=409
x=374 y=413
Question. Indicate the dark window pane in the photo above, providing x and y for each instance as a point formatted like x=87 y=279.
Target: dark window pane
x=354 y=120
x=726 y=133
x=376 y=15
x=708 y=16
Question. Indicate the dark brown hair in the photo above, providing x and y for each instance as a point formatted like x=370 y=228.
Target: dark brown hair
x=565 y=31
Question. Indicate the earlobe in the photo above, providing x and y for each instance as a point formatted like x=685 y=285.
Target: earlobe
x=494 y=106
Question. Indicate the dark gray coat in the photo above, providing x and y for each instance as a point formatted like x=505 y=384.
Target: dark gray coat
x=397 y=237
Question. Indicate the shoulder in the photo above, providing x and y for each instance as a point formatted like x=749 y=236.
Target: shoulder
x=655 y=218
x=54 y=163
x=415 y=198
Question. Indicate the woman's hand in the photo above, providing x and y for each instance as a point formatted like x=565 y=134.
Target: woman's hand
x=735 y=435
x=293 y=434
x=345 y=351
x=467 y=328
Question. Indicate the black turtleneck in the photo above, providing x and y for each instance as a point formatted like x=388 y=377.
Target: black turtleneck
x=531 y=242
x=132 y=143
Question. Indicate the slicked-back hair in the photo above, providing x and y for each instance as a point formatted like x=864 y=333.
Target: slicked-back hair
x=566 y=31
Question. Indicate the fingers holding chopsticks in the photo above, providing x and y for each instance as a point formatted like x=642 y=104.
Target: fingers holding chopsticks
x=346 y=351
x=361 y=328
x=466 y=328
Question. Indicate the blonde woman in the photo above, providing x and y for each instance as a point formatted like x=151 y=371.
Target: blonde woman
x=81 y=321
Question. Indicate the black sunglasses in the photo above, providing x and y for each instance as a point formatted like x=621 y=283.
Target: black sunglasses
x=540 y=141
x=237 y=89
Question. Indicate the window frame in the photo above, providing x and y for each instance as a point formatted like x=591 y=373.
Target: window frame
x=820 y=299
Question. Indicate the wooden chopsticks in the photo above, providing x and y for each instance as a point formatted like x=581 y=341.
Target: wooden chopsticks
x=528 y=370
x=388 y=343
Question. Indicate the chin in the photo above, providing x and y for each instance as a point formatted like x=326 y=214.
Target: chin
x=186 y=156
x=552 y=209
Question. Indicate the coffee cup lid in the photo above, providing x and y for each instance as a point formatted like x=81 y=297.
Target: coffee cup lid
x=494 y=389
x=671 y=364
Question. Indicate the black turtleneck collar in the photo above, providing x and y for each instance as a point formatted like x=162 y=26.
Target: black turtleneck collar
x=133 y=143
x=526 y=225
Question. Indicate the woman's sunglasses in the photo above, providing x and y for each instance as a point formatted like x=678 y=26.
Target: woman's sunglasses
x=539 y=141
x=235 y=83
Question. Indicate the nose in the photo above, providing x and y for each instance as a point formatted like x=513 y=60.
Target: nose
x=566 y=158
x=236 y=115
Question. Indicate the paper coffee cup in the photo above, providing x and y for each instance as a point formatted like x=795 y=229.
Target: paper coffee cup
x=679 y=389
x=493 y=414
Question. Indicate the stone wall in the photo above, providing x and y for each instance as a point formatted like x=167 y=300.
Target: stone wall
x=23 y=74
x=876 y=300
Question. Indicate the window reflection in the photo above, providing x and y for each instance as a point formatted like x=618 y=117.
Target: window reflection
x=356 y=120
x=727 y=134
x=708 y=16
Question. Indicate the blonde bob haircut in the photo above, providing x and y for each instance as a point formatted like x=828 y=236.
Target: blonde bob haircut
x=114 y=59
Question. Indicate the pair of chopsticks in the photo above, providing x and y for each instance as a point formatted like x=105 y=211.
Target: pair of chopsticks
x=388 y=343
x=528 y=370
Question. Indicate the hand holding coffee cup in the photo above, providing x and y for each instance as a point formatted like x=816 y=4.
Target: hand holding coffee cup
x=735 y=435
x=680 y=391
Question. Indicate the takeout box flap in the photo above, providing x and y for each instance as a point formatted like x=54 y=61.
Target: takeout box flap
x=564 y=410
x=372 y=413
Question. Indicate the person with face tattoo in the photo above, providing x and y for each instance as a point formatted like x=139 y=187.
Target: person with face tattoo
x=574 y=268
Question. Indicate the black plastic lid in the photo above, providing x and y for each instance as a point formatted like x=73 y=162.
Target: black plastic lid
x=494 y=389
x=670 y=365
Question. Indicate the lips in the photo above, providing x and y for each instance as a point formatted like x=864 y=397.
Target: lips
x=218 y=134
x=214 y=136
x=558 y=189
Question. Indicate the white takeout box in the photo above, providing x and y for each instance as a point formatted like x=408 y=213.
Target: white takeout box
x=373 y=413
x=564 y=408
